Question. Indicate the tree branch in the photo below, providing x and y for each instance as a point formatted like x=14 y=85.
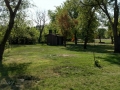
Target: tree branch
x=8 y=5
x=85 y=4
x=105 y=10
x=17 y=6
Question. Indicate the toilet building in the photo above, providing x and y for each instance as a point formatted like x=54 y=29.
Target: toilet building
x=54 y=39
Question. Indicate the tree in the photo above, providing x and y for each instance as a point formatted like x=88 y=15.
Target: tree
x=119 y=26
x=52 y=24
x=105 y=6
x=72 y=6
x=40 y=21
x=12 y=13
x=22 y=33
x=101 y=33
x=110 y=33
x=11 y=8
x=75 y=29
x=89 y=23
x=64 y=22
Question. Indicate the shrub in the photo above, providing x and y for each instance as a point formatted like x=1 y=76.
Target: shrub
x=27 y=36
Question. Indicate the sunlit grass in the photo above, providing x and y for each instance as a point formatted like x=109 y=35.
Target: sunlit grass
x=45 y=67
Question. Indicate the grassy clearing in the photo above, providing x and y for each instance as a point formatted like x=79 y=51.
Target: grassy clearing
x=42 y=67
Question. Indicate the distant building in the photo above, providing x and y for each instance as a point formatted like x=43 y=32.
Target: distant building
x=54 y=39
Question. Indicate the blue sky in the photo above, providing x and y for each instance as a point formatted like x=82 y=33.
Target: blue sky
x=47 y=4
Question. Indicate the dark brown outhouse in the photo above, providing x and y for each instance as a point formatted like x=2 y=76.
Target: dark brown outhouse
x=54 y=39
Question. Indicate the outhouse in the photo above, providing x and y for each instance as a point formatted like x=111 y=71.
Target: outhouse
x=54 y=39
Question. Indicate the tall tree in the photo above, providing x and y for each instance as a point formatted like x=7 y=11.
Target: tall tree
x=40 y=21
x=11 y=8
x=101 y=33
x=52 y=24
x=89 y=24
x=105 y=6
x=72 y=7
x=64 y=22
x=12 y=13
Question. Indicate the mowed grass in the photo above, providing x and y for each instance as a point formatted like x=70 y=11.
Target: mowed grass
x=42 y=67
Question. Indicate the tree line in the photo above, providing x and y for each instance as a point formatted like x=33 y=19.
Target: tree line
x=82 y=19
x=73 y=19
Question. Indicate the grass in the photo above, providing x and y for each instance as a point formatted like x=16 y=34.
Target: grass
x=42 y=67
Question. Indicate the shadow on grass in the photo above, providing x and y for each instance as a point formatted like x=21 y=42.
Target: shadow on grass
x=14 y=77
x=101 y=48
x=112 y=58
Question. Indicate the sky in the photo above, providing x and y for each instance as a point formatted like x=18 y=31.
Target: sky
x=47 y=4
x=44 y=5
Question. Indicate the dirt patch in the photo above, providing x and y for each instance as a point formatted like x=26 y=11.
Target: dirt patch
x=19 y=83
x=64 y=55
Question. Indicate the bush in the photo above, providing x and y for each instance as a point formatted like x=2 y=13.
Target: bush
x=27 y=36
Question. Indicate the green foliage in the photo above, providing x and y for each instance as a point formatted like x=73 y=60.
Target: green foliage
x=52 y=15
x=2 y=32
x=97 y=63
x=70 y=8
x=88 y=22
x=65 y=22
x=22 y=32
x=101 y=32
x=53 y=22
x=81 y=20
x=24 y=36
x=4 y=15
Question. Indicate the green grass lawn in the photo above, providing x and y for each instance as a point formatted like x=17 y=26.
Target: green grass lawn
x=42 y=67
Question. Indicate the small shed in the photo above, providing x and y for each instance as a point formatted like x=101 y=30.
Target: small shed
x=54 y=39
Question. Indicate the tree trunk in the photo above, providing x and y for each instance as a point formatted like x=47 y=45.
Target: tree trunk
x=88 y=27
x=100 y=38
x=116 y=44
x=41 y=28
x=65 y=38
x=6 y=36
x=75 y=36
x=40 y=37
x=64 y=41
x=113 y=24
x=114 y=27
x=85 y=43
x=1 y=52
x=115 y=31
x=10 y=26
x=112 y=41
